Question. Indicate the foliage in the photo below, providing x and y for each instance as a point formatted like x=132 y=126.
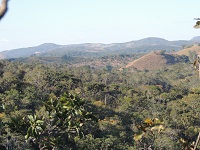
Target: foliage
x=38 y=111
x=63 y=119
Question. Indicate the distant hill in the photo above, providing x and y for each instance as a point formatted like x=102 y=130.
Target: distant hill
x=186 y=50
x=97 y=49
x=153 y=61
x=196 y=39
x=141 y=46
x=25 y=52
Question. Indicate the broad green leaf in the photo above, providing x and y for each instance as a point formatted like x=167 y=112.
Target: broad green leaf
x=138 y=136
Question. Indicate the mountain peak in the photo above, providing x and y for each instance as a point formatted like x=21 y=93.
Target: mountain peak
x=48 y=45
x=153 y=40
x=196 y=39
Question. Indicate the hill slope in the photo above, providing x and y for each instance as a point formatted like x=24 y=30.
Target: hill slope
x=152 y=61
x=25 y=52
x=186 y=51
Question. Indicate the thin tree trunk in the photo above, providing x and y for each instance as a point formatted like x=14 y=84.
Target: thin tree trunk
x=198 y=61
x=197 y=141
x=105 y=100
x=199 y=70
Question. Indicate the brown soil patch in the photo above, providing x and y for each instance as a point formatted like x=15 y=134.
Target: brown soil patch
x=152 y=61
x=186 y=51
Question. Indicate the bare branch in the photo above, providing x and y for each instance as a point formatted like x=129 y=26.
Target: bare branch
x=3 y=8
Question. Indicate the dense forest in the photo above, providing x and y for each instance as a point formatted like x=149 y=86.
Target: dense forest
x=61 y=106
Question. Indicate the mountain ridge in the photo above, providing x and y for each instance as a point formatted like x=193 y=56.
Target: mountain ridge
x=99 y=49
x=25 y=52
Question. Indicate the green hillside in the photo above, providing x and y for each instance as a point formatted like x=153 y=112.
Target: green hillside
x=91 y=107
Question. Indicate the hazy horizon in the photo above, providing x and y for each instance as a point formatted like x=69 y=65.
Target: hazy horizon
x=94 y=43
x=63 y=22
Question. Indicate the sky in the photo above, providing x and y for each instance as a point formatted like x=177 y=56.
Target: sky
x=34 y=22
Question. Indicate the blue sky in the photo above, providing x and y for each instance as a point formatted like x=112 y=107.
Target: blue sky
x=33 y=22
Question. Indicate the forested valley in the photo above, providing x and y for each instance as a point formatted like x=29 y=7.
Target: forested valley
x=61 y=106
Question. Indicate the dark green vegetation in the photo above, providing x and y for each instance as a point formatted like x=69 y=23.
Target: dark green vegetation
x=62 y=106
